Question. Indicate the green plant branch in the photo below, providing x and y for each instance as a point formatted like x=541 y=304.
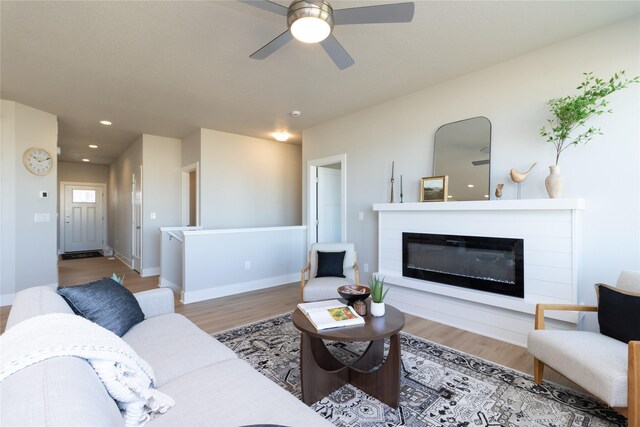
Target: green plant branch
x=572 y=112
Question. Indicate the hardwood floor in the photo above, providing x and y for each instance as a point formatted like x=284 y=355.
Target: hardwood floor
x=229 y=312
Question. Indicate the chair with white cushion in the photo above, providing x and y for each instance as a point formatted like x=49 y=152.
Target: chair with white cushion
x=322 y=288
x=604 y=366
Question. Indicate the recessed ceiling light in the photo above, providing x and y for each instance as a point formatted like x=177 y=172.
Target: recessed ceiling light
x=296 y=113
x=470 y=185
x=93 y=146
x=281 y=136
x=105 y=122
x=86 y=160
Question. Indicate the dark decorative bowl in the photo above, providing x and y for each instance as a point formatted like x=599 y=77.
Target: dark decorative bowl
x=353 y=293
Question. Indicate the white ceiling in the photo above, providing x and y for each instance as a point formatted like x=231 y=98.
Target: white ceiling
x=169 y=68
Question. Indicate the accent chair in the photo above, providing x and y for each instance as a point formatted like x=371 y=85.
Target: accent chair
x=322 y=288
x=604 y=366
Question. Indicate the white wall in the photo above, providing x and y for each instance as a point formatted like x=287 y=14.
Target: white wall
x=513 y=96
x=161 y=195
x=217 y=263
x=24 y=243
x=120 y=216
x=244 y=181
x=83 y=172
x=191 y=148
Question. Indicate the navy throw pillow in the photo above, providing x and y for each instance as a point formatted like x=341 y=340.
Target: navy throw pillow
x=106 y=303
x=618 y=313
x=330 y=264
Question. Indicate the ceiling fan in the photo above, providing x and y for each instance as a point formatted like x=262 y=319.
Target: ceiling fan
x=312 y=21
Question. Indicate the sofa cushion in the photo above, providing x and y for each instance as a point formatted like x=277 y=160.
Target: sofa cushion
x=36 y=301
x=174 y=346
x=330 y=264
x=322 y=288
x=232 y=393
x=63 y=391
x=591 y=360
x=106 y=303
x=618 y=313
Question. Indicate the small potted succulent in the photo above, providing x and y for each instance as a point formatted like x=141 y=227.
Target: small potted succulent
x=378 y=294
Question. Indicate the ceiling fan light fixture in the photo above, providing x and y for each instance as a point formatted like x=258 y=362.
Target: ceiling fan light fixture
x=310 y=22
x=310 y=30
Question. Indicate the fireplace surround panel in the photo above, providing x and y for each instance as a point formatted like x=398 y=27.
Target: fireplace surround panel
x=488 y=264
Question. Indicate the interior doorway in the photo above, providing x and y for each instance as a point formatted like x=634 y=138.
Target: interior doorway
x=191 y=195
x=83 y=220
x=136 y=226
x=327 y=202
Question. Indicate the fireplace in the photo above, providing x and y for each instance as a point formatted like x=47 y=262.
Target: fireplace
x=489 y=264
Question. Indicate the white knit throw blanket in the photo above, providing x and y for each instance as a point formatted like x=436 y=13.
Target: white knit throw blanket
x=127 y=378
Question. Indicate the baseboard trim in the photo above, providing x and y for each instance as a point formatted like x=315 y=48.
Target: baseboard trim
x=164 y=283
x=238 y=288
x=153 y=271
x=125 y=260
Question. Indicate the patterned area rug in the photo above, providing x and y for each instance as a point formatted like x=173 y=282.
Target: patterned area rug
x=439 y=386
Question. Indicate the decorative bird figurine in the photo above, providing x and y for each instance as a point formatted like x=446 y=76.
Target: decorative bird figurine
x=520 y=176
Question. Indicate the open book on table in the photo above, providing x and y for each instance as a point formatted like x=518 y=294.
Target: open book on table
x=330 y=314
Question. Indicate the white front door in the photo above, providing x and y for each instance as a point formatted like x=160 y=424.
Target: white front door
x=83 y=218
x=329 y=205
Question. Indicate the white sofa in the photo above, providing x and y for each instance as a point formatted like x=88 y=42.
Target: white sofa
x=210 y=385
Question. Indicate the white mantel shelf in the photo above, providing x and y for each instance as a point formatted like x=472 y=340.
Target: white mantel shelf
x=486 y=205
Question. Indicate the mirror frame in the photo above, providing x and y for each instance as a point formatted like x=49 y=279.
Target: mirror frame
x=490 y=151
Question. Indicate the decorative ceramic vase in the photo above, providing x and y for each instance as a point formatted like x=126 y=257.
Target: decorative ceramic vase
x=377 y=309
x=554 y=183
x=499 y=191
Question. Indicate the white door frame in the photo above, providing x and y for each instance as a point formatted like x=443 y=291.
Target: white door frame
x=312 y=165
x=185 y=192
x=61 y=207
x=137 y=221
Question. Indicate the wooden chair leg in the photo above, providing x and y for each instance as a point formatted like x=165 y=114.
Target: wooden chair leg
x=634 y=385
x=538 y=370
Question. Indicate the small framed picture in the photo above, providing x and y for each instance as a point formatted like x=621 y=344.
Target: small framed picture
x=434 y=188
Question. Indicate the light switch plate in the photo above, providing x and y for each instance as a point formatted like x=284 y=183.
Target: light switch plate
x=41 y=217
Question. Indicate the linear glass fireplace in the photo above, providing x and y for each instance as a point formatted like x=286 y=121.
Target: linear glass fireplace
x=488 y=264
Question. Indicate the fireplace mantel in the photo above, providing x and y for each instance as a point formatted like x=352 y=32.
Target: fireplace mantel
x=551 y=233
x=486 y=205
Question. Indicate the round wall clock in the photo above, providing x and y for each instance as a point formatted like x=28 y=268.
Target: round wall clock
x=37 y=161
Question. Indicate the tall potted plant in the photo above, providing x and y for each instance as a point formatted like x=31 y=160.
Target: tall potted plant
x=378 y=294
x=570 y=114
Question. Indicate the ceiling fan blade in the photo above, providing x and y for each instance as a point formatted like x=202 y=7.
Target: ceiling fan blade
x=337 y=53
x=268 y=6
x=380 y=14
x=272 y=46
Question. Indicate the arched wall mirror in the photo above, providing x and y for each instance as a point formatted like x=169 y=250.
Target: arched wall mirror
x=462 y=150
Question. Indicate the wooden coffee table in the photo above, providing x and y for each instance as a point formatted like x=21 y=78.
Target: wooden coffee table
x=321 y=373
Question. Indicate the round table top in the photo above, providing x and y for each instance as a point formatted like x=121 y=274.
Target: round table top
x=374 y=328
